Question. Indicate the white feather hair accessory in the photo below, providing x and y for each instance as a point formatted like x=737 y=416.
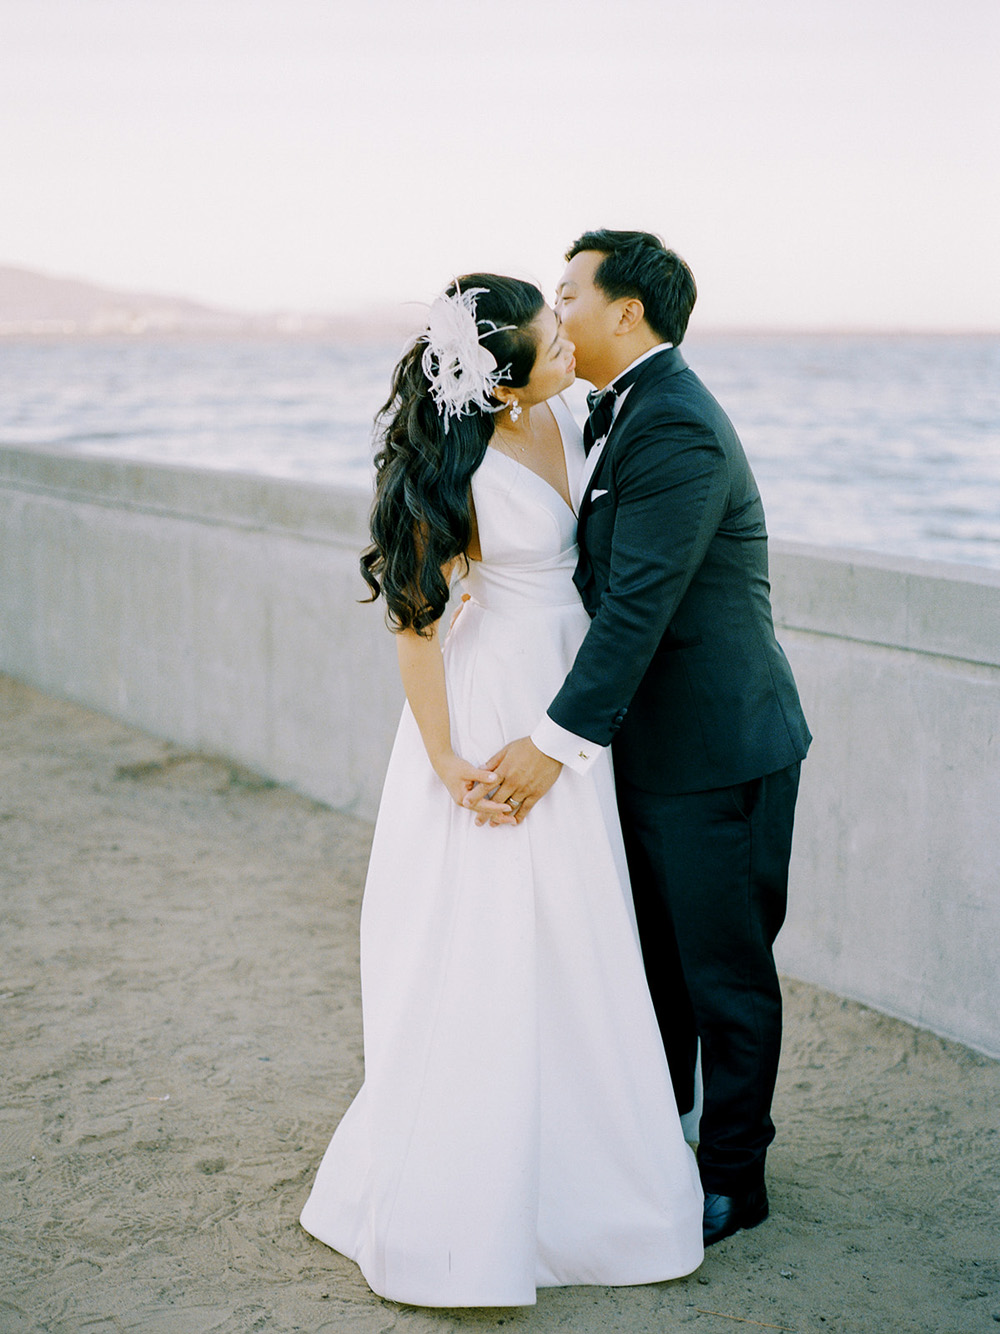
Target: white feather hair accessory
x=460 y=371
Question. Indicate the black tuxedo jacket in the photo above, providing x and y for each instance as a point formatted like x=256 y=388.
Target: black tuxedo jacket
x=680 y=666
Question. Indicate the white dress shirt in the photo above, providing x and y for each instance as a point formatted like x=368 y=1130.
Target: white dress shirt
x=576 y=751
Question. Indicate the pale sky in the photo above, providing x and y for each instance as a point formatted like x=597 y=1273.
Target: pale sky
x=820 y=163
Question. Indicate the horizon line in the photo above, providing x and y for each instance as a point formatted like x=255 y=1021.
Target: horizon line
x=395 y=316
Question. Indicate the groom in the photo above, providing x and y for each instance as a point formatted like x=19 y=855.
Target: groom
x=681 y=673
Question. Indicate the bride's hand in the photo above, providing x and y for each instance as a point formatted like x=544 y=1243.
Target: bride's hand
x=460 y=777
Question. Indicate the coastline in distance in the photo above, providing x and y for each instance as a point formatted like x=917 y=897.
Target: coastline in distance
x=34 y=304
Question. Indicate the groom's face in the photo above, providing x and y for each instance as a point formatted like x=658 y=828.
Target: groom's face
x=587 y=316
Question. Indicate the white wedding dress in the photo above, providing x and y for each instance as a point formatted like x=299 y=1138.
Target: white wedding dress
x=516 y=1127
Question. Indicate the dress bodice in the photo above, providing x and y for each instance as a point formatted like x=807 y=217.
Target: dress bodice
x=527 y=532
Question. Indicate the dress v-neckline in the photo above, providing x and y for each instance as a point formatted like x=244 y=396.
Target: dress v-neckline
x=565 y=457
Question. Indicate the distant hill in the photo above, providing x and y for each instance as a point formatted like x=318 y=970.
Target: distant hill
x=33 y=303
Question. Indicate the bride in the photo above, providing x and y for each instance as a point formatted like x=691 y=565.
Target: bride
x=516 y=1127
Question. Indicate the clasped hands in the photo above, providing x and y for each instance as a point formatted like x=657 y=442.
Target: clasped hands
x=516 y=777
x=503 y=790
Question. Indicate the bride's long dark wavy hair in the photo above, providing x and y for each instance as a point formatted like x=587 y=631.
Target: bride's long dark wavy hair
x=421 y=519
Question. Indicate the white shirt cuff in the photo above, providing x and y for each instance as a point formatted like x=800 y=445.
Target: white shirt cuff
x=576 y=752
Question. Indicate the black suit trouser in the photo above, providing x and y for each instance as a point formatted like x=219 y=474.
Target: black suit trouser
x=710 y=878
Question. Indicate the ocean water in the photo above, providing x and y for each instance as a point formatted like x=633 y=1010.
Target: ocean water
x=890 y=442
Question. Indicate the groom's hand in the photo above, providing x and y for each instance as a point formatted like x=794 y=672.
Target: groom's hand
x=525 y=773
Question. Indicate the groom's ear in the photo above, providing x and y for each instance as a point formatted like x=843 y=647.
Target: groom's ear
x=631 y=315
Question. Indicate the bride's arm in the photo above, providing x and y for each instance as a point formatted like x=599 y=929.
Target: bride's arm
x=421 y=667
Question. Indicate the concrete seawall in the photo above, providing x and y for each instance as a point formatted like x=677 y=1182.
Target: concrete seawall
x=219 y=611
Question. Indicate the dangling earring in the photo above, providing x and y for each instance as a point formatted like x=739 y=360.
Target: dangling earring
x=515 y=409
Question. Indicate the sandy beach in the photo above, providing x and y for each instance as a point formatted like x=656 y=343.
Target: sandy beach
x=182 y=1031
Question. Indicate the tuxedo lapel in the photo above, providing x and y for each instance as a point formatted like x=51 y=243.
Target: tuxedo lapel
x=587 y=472
x=652 y=378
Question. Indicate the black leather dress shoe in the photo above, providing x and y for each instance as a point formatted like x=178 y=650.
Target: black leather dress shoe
x=726 y=1214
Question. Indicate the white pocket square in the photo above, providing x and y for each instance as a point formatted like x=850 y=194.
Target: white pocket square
x=596 y=494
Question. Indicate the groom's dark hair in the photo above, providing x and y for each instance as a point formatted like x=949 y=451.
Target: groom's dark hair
x=639 y=264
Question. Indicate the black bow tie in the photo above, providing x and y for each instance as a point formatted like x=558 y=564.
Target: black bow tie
x=601 y=403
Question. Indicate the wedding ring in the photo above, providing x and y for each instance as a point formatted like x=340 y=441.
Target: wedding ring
x=512 y=802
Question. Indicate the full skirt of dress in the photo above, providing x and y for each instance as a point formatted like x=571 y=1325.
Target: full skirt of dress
x=516 y=1127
